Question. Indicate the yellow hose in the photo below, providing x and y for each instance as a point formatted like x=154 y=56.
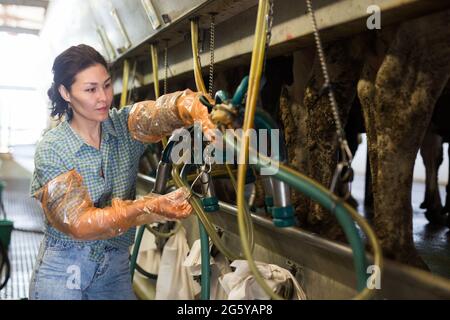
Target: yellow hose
x=126 y=74
x=197 y=65
x=155 y=66
x=254 y=83
x=133 y=77
x=154 y=55
x=252 y=94
x=216 y=173
x=198 y=209
x=248 y=217
x=201 y=87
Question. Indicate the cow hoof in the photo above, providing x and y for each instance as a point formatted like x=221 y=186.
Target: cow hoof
x=423 y=205
x=418 y=263
x=445 y=209
x=406 y=254
x=368 y=213
x=352 y=201
x=436 y=217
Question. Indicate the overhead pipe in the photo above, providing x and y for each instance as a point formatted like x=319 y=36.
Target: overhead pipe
x=196 y=57
x=125 y=76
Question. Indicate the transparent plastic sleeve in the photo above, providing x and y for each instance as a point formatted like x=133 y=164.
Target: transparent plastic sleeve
x=149 y=121
x=69 y=209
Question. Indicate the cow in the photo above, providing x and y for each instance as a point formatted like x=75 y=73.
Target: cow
x=432 y=154
x=397 y=73
x=398 y=91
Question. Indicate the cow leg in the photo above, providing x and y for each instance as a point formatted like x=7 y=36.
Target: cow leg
x=293 y=119
x=344 y=61
x=431 y=152
x=446 y=209
x=366 y=94
x=352 y=129
x=409 y=81
x=368 y=195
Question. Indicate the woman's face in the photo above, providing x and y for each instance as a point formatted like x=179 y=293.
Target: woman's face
x=91 y=94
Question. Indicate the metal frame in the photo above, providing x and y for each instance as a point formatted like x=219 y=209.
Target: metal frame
x=324 y=268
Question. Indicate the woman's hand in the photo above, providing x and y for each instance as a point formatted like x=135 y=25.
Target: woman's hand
x=68 y=208
x=191 y=110
x=149 y=121
x=174 y=205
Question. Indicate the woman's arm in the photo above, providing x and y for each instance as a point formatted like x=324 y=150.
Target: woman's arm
x=68 y=208
x=149 y=121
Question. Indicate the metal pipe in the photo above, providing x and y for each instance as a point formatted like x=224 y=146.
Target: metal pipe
x=281 y=196
x=207 y=185
x=162 y=176
x=119 y=23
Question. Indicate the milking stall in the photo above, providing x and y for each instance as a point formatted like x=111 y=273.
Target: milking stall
x=224 y=150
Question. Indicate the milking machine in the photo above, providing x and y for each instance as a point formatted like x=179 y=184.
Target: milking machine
x=225 y=113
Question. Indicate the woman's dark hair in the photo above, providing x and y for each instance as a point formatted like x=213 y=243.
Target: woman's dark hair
x=65 y=67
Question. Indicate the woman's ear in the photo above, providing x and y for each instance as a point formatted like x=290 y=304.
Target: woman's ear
x=64 y=93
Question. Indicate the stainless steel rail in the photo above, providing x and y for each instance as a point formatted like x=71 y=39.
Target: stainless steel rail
x=324 y=268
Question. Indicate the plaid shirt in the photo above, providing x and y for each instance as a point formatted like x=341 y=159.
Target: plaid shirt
x=61 y=150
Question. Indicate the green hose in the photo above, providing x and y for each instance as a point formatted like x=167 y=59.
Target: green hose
x=333 y=204
x=134 y=255
x=204 y=249
x=198 y=209
x=329 y=201
x=262 y=120
x=240 y=92
x=336 y=205
x=206 y=268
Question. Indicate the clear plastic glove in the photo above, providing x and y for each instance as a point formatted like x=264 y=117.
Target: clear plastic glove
x=149 y=121
x=69 y=209
x=192 y=110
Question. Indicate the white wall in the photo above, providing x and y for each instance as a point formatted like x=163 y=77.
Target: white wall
x=23 y=107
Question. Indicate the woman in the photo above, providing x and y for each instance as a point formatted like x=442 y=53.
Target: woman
x=85 y=173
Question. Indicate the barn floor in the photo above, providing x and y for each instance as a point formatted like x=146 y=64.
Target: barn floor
x=433 y=243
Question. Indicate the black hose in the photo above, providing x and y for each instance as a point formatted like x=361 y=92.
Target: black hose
x=4 y=264
x=146 y=273
x=206 y=103
x=40 y=231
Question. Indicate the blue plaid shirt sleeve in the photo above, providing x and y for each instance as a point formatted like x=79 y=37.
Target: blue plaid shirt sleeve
x=48 y=165
x=61 y=150
x=119 y=119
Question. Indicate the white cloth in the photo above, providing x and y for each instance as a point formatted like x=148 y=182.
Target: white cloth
x=219 y=266
x=174 y=280
x=194 y=259
x=149 y=256
x=241 y=285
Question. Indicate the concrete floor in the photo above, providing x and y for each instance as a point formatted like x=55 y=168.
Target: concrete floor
x=27 y=216
x=432 y=242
